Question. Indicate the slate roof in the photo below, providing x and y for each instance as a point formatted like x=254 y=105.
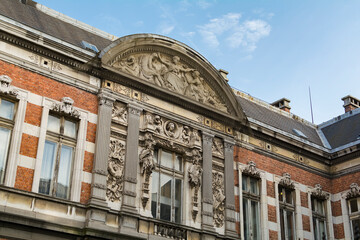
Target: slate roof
x=343 y=131
x=32 y=17
x=279 y=121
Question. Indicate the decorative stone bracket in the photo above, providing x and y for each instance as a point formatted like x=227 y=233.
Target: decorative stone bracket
x=6 y=88
x=66 y=107
x=195 y=173
x=251 y=170
x=354 y=191
x=319 y=193
x=286 y=181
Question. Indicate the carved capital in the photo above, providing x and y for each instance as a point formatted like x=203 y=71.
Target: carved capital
x=134 y=110
x=6 y=88
x=319 y=193
x=286 y=181
x=251 y=170
x=105 y=99
x=66 y=107
x=229 y=146
x=207 y=138
x=354 y=191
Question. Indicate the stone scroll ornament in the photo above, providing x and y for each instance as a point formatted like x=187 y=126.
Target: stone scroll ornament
x=319 y=193
x=171 y=73
x=66 y=106
x=147 y=165
x=115 y=171
x=218 y=199
x=251 y=170
x=6 y=88
x=354 y=191
x=286 y=181
x=195 y=172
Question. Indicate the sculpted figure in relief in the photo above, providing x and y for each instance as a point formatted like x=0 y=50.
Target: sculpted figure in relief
x=219 y=199
x=146 y=156
x=115 y=171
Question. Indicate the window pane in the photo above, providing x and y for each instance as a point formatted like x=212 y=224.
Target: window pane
x=244 y=183
x=254 y=186
x=4 y=146
x=156 y=154
x=246 y=219
x=177 y=202
x=178 y=163
x=64 y=173
x=355 y=224
x=353 y=205
x=70 y=129
x=322 y=229
x=255 y=220
x=166 y=159
x=290 y=224
x=154 y=193
x=282 y=224
x=53 y=124
x=7 y=109
x=47 y=168
x=289 y=198
x=165 y=197
x=281 y=194
x=316 y=234
x=320 y=208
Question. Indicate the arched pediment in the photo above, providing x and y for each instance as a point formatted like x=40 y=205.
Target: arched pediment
x=175 y=68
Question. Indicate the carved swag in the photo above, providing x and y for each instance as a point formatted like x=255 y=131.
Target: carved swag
x=218 y=199
x=115 y=171
x=195 y=172
x=170 y=73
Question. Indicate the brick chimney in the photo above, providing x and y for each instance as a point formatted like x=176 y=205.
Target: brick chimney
x=350 y=103
x=283 y=104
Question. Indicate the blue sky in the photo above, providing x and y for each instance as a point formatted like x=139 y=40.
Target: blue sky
x=272 y=49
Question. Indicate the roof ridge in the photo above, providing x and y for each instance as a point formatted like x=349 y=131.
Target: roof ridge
x=74 y=22
x=340 y=117
x=272 y=108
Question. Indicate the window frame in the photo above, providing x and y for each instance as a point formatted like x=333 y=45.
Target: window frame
x=317 y=216
x=286 y=207
x=353 y=216
x=174 y=175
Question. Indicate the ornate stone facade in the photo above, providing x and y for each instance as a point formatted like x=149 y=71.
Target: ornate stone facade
x=218 y=199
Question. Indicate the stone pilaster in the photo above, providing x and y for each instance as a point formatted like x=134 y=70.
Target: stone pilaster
x=131 y=159
x=207 y=194
x=99 y=175
x=230 y=229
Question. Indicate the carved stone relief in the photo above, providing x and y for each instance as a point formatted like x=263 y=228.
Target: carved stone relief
x=354 y=191
x=218 y=147
x=171 y=73
x=115 y=170
x=319 y=193
x=66 y=107
x=286 y=181
x=5 y=86
x=218 y=199
x=251 y=170
x=119 y=112
x=195 y=172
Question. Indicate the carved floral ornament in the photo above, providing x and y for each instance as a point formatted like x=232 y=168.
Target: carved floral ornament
x=66 y=107
x=171 y=73
x=286 y=181
x=218 y=147
x=115 y=170
x=218 y=199
x=6 y=88
x=194 y=172
x=354 y=191
x=319 y=193
x=251 y=170
x=119 y=113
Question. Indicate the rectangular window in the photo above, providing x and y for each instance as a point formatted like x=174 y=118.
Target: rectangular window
x=56 y=169
x=354 y=213
x=7 y=114
x=251 y=207
x=166 y=190
x=319 y=218
x=287 y=213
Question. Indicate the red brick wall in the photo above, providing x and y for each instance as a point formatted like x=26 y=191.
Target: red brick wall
x=304 y=199
x=273 y=235
x=336 y=208
x=33 y=114
x=29 y=145
x=24 y=178
x=88 y=162
x=85 y=192
x=339 y=231
x=272 y=213
x=306 y=223
x=270 y=189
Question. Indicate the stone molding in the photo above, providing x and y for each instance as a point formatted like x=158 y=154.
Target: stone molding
x=66 y=106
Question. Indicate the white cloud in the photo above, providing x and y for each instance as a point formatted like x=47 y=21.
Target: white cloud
x=166 y=28
x=236 y=34
x=204 y=4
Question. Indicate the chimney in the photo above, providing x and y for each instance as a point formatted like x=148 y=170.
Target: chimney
x=224 y=74
x=283 y=104
x=350 y=103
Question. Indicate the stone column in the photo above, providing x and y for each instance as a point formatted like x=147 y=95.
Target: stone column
x=207 y=194
x=230 y=229
x=102 y=142
x=131 y=159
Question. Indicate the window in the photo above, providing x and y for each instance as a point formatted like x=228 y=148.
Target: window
x=287 y=210
x=354 y=213
x=251 y=207
x=319 y=218
x=166 y=191
x=56 y=169
x=7 y=112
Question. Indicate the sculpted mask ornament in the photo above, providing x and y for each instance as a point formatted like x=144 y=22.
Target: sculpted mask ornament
x=5 y=86
x=218 y=199
x=119 y=113
x=170 y=73
x=354 y=191
x=251 y=170
x=319 y=193
x=66 y=107
x=115 y=171
x=286 y=181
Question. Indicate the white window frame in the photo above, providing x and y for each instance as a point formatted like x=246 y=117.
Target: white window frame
x=75 y=191
x=353 y=216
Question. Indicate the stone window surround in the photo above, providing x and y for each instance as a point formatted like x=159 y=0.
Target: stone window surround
x=263 y=203
x=346 y=214
x=15 y=142
x=78 y=162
